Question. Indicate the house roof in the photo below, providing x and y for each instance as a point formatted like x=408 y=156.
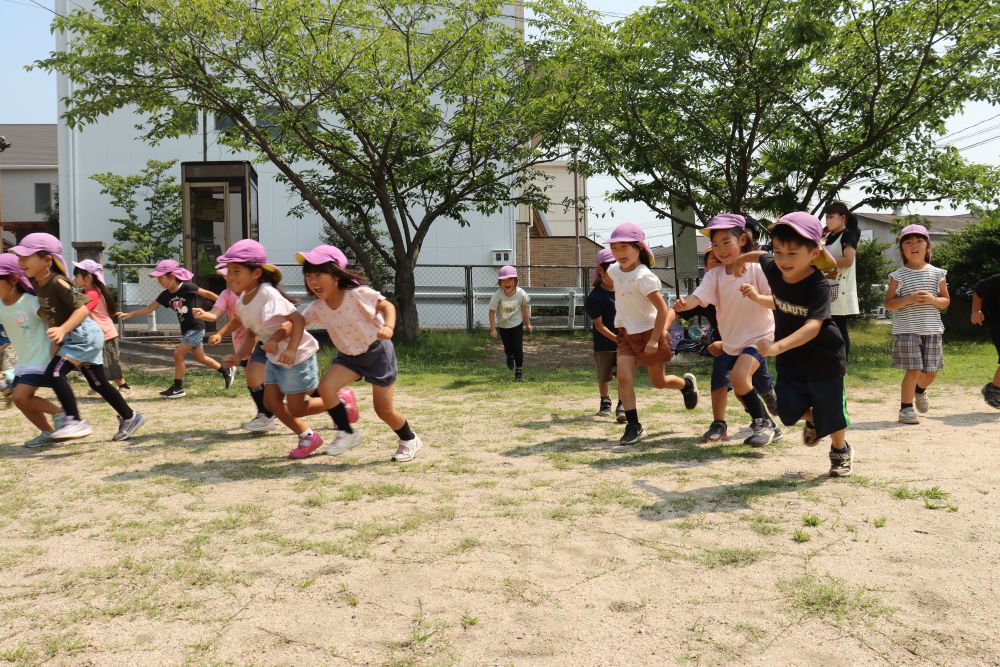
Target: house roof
x=31 y=145
x=938 y=223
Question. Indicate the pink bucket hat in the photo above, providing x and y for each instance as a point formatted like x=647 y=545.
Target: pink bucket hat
x=506 y=272
x=9 y=266
x=914 y=230
x=810 y=228
x=322 y=254
x=724 y=221
x=629 y=232
x=604 y=255
x=248 y=251
x=42 y=242
x=90 y=266
x=166 y=266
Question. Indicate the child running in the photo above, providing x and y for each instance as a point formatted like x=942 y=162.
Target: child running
x=918 y=292
x=986 y=309
x=19 y=317
x=742 y=323
x=360 y=322
x=88 y=276
x=79 y=339
x=263 y=421
x=290 y=372
x=642 y=318
x=600 y=306
x=510 y=315
x=811 y=360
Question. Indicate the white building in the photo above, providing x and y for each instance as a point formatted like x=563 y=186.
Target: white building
x=28 y=177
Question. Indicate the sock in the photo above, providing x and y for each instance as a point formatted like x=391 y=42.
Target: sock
x=846 y=447
x=308 y=433
x=124 y=386
x=338 y=414
x=632 y=416
x=809 y=424
x=754 y=406
x=605 y=398
x=920 y=389
x=179 y=384
x=221 y=370
x=903 y=406
x=404 y=432
x=257 y=394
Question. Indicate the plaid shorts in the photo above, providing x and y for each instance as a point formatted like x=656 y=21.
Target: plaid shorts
x=914 y=352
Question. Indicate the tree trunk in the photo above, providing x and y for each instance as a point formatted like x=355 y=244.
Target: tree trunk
x=407 y=323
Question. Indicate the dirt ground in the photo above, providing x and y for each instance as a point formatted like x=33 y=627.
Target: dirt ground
x=522 y=534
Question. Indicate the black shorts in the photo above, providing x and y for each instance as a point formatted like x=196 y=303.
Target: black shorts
x=825 y=396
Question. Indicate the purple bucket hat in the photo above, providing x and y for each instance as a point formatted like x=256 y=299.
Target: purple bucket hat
x=248 y=251
x=166 y=266
x=42 y=242
x=322 y=254
x=724 y=221
x=810 y=228
x=9 y=266
x=90 y=266
x=506 y=272
x=604 y=255
x=629 y=232
x=914 y=230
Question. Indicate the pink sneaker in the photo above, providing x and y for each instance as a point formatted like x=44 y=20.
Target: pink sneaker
x=306 y=446
x=350 y=402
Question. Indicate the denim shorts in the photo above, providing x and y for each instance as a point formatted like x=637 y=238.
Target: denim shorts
x=84 y=344
x=193 y=337
x=31 y=380
x=297 y=379
x=376 y=365
x=257 y=356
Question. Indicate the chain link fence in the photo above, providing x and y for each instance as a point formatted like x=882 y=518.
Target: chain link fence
x=448 y=296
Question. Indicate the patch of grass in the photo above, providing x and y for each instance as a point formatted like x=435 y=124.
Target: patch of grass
x=761 y=524
x=934 y=493
x=69 y=643
x=746 y=494
x=561 y=513
x=752 y=632
x=463 y=545
x=931 y=505
x=801 y=536
x=352 y=492
x=611 y=493
x=879 y=522
x=729 y=557
x=468 y=620
x=903 y=493
x=830 y=598
x=811 y=520
x=688 y=524
x=347 y=597
x=20 y=655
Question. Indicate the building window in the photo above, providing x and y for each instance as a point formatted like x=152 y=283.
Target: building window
x=43 y=197
x=223 y=123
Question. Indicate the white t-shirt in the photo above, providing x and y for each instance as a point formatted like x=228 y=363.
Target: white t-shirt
x=508 y=308
x=354 y=326
x=633 y=310
x=265 y=314
x=918 y=318
x=742 y=322
x=27 y=334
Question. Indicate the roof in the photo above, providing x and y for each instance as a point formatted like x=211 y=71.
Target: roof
x=938 y=223
x=30 y=145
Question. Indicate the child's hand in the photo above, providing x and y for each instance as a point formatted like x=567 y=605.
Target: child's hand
x=922 y=296
x=652 y=346
x=287 y=357
x=214 y=339
x=765 y=348
x=385 y=333
x=55 y=334
x=749 y=291
x=123 y=316
x=198 y=313
x=978 y=317
x=270 y=346
x=529 y=327
x=715 y=349
x=493 y=333
x=680 y=304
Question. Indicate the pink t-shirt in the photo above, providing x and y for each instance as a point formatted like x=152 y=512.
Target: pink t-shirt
x=226 y=303
x=99 y=311
x=354 y=326
x=265 y=314
x=742 y=322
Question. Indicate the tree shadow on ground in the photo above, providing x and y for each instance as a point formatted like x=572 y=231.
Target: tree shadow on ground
x=197 y=440
x=235 y=470
x=556 y=419
x=967 y=419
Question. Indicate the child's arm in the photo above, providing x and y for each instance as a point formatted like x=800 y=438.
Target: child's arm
x=56 y=334
x=206 y=315
x=977 y=309
x=294 y=334
x=750 y=291
x=687 y=303
x=749 y=257
x=893 y=302
x=271 y=344
x=493 y=324
x=797 y=338
x=664 y=318
x=389 y=317
x=941 y=301
x=205 y=294
x=526 y=314
x=233 y=324
x=145 y=310
x=242 y=353
x=603 y=330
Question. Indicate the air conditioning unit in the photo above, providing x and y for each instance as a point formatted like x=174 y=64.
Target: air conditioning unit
x=501 y=256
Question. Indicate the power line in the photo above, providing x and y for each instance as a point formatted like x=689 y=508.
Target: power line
x=979 y=143
x=967 y=128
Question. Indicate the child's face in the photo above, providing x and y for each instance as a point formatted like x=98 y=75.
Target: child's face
x=508 y=285
x=165 y=281
x=83 y=281
x=711 y=261
x=7 y=289
x=231 y=283
x=726 y=247
x=794 y=259
x=626 y=254
x=835 y=221
x=322 y=285
x=240 y=278
x=35 y=266
x=914 y=249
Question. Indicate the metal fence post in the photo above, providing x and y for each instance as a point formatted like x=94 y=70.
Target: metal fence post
x=469 y=303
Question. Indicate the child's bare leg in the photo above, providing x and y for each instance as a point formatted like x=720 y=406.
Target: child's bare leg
x=996 y=378
x=382 y=399
x=626 y=381
x=661 y=381
x=720 y=398
x=274 y=399
x=179 y=354
x=303 y=405
x=909 y=387
x=838 y=439
x=199 y=355
x=35 y=408
x=742 y=374
x=254 y=374
x=334 y=379
x=603 y=388
x=925 y=379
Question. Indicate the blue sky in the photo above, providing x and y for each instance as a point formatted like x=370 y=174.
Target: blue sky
x=30 y=97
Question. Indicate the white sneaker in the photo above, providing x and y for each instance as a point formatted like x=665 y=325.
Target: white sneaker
x=407 y=449
x=126 y=427
x=344 y=442
x=260 y=424
x=71 y=429
x=921 y=402
x=40 y=440
x=908 y=416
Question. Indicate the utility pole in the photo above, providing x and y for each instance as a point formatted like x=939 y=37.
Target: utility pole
x=576 y=216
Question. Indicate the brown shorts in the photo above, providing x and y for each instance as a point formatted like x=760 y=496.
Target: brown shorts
x=634 y=345
x=606 y=362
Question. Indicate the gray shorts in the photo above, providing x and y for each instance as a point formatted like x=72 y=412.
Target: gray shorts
x=915 y=352
x=376 y=365
x=112 y=359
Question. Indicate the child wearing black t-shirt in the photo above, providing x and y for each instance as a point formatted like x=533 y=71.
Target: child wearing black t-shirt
x=600 y=306
x=179 y=294
x=808 y=346
x=986 y=310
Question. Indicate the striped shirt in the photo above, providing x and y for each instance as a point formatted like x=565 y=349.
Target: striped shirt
x=918 y=318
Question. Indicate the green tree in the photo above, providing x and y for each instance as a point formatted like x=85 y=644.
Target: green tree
x=781 y=105
x=151 y=226
x=872 y=273
x=52 y=214
x=971 y=253
x=392 y=114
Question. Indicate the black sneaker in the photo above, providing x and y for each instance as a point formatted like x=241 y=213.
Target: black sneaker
x=605 y=409
x=763 y=433
x=809 y=437
x=771 y=401
x=633 y=434
x=620 y=413
x=991 y=394
x=841 y=462
x=173 y=392
x=690 y=391
x=518 y=376
x=227 y=375
x=716 y=432
x=510 y=361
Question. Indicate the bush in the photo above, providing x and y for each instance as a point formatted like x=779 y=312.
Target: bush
x=971 y=254
x=872 y=272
